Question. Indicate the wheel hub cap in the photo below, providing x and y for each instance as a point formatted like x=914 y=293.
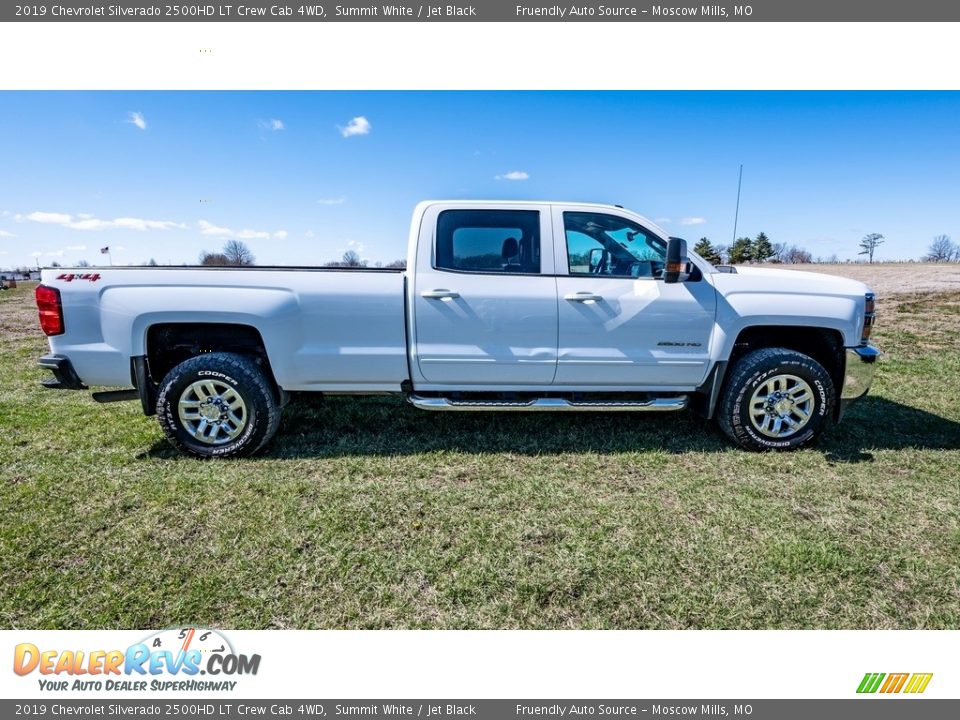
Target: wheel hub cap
x=212 y=411
x=781 y=406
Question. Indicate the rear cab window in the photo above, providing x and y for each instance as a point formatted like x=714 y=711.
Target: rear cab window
x=489 y=241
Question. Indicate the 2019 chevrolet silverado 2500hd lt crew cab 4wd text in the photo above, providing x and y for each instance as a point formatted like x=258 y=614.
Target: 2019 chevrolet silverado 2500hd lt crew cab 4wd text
x=502 y=306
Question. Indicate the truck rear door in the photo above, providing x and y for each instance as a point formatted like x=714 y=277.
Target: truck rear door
x=485 y=297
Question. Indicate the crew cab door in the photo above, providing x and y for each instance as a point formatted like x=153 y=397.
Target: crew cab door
x=619 y=323
x=484 y=300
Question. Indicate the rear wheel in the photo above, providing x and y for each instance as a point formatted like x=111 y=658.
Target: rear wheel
x=218 y=405
x=776 y=399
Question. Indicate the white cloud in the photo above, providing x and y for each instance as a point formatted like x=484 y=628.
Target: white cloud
x=357 y=126
x=36 y=253
x=136 y=118
x=513 y=175
x=248 y=234
x=208 y=228
x=692 y=221
x=141 y=224
x=87 y=222
x=273 y=124
x=54 y=253
x=356 y=245
x=308 y=234
x=4 y=233
x=339 y=200
x=76 y=247
x=662 y=221
x=52 y=218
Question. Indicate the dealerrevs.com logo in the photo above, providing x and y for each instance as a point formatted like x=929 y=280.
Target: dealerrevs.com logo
x=910 y=683
x=173 y=659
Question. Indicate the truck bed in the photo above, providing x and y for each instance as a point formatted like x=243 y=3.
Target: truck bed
x=323 y=328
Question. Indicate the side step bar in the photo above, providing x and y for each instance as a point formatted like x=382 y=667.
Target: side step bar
x=666 y=404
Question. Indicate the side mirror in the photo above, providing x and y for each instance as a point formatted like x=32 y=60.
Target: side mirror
x=675 y=269
x=595 y=258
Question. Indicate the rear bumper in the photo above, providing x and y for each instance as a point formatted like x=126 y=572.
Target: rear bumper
x=859 y=368
x=64 y=376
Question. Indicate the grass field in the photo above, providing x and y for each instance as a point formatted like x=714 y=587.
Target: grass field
x=370 y=514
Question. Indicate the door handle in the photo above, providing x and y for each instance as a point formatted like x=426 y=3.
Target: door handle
x=440 y=294
x=583 y=297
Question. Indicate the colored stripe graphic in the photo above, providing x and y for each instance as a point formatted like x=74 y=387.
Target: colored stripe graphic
x=918 y=683
x=894 y=682
x=870 y=682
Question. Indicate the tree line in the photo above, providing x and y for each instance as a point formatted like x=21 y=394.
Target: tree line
x=761 y=250
x=235 y=253
x=753 y=250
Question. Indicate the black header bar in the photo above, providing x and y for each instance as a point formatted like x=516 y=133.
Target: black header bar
x=485 y=11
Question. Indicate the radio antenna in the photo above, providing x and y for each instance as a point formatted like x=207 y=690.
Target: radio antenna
x=736 y=214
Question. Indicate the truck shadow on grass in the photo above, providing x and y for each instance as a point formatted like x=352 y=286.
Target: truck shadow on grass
x=350 y=427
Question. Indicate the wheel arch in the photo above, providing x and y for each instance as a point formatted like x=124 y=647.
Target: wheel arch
x=167 y=344
x=823 y=344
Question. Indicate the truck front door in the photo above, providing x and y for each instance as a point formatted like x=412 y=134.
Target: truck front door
x=620 y=325
x=485 y=297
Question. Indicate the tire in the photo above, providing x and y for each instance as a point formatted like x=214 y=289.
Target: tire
x=771 y=385
x=218 y=405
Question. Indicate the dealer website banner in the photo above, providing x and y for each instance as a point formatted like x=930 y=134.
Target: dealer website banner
x=194 y=671
x=500 y=360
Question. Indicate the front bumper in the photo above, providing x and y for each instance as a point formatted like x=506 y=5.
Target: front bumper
x=859 y=368
x=64 y=376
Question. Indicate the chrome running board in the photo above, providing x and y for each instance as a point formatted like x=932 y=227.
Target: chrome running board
x=666 y=404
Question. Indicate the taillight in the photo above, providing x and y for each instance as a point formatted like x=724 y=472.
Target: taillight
x=869 y=316
x=51 y=310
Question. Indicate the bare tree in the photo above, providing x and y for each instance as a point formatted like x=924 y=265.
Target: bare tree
x=869 y=244
x=83 y=263
x=779 y=252
x=402 y=264
x=797 y=255
x=237 y=253
x=214 y=259
x=942 y=249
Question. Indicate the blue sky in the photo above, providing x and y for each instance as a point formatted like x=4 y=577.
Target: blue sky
x=303 y=176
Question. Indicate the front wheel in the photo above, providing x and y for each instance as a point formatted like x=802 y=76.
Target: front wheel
x=218 y=405
x=776 y=399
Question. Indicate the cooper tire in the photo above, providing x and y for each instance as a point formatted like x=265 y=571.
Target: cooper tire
x=218 y=405
x=776 y=399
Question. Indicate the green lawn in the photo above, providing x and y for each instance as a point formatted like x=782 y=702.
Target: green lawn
x=370 y=514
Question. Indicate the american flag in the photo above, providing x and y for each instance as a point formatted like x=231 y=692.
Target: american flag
x=105 y=250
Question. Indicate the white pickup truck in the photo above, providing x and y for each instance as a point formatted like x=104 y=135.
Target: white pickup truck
x=503 y=306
